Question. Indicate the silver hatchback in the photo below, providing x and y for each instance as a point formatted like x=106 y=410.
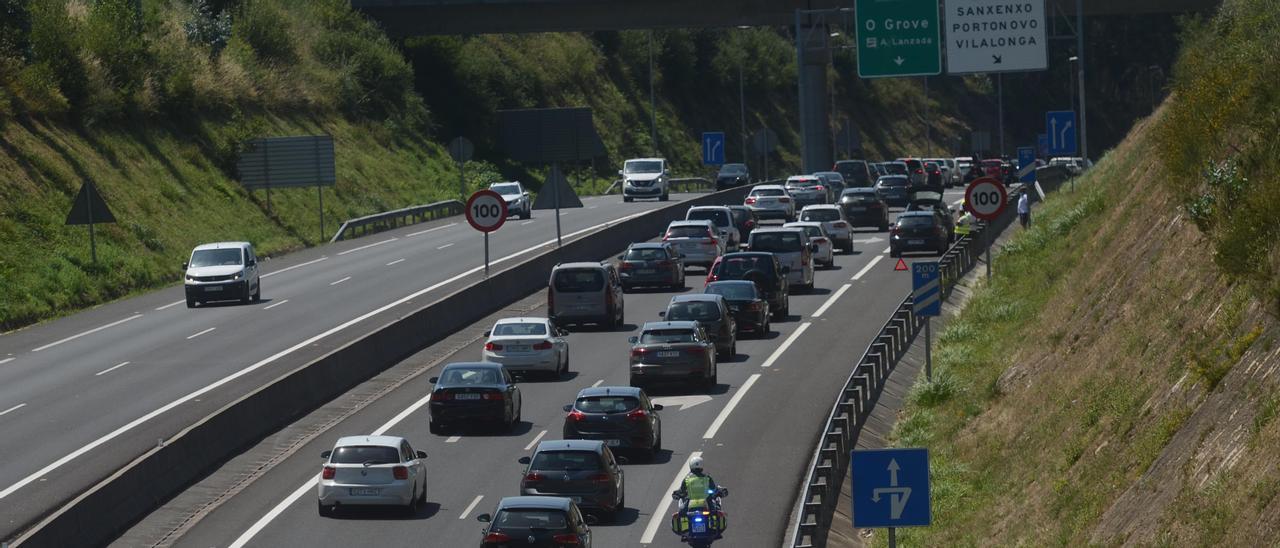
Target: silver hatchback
x=698 y=241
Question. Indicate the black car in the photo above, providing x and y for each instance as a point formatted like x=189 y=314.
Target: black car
x=762 y=268
x=550 y=522
x=918 y=231
x=651 y=263
x=583 y=470
x=856 y=173
x=863 y=207
x=932 y=201
x=893 y=189
x=712 y=313
x=473 y=391
x=748 y=306
x=745 y=219
x=732 y=175
x=933 y=177
x=620 y=416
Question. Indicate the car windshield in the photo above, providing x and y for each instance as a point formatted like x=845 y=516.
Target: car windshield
x=607 y=404
x=465 y=376
x=579 y=280
x=733 y=169
x=566 y=460
x=530 y=518
x=915 y=221
x=896 y=168
x=820 y=215
x=733 y=291
x=693 y=311
x=717 y=216
x=643 y=166
x=802 y=183
x=519 y=329
x=506 y=190
x=646 y=254
x=667 y=336
x=737 y=266
x=687 y=232
x=813 y=231
x=776 y=242
x=893 y=182
x=215 y=257
x=365 y=454
x=768 y=192
x=923 y=206
x=913 y=164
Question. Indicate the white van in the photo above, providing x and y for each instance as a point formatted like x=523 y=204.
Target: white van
x=223 y=271
x=792 y=248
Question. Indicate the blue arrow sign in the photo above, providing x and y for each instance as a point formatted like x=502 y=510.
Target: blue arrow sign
x=926 y=288
x=890 y=488
x=1026 y=163
x=1060 y=126
x=713 y=148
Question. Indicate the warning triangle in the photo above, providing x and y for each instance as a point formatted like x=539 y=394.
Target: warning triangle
x=556 y=187
x=902 y=265
x=89 y=207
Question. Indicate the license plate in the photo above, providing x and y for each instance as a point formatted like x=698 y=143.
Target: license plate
x=689 y=245
x=213 y=288
x=613 y=443
x=646 y=271
x=700 y=526
x=518 y=347
x=915 y=242
x=364 y=492
x=669 y=354
x=466 y=396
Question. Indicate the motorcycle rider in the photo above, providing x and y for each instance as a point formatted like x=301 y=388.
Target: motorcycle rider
x=698 y=489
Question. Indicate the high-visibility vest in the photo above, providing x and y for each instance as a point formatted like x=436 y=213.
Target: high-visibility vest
x=697 y=486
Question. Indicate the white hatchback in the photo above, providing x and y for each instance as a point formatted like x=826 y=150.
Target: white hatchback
x=372 y=470
x=833 y=221
x=527 y=345
x=825 y=254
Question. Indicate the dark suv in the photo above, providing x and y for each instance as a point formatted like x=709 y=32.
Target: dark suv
x=856 y=173
x=732 y=175
x=863 y=207
x=535 y=521
x=918 y=231
x=712 y=313
x=620 y=416
x=582 y=470
x=763 y=269
x=932 y=201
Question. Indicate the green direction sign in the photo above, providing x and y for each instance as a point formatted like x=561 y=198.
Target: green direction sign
x=898 y=38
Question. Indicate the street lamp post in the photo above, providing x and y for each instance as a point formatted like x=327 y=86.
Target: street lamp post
x=1151 y=83
x=653 y=109
x=1071 y=73
x=1084 y=132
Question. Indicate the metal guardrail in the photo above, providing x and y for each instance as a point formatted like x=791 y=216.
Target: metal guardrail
x=387 y=220
x=701 y=183
x=855 y=401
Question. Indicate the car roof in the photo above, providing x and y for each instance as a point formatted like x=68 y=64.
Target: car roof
x=739 y=206
x=544 y=503
x=774 y=229
x=746 y=254
x=708 y=207
x=915 y=214
x=850 y=161
x=696 y=297
x=769 y=187
x=522 y=319
x=579 y=265
x=491 y=185
x=647 y=159
x=669 y=325
x=827 y=174
x=819 y=206
x=802 y=223
x=571 y=445
x=222 y=245
x=592 y=391
x=648 y=245
x=474 y=365
x=697 y=222
x=802 y=178
x=856 y=189
x=732 y=282
x=387 y=441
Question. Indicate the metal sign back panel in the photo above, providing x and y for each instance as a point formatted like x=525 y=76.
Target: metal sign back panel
x=1027 y=164
x=995 y=36
x=549 y=135
x=278 y=162
x=898 y=38
x=891 y=488
x=926 y=288
x=89 y=207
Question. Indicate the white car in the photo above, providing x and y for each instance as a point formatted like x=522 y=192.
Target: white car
x=518 y=202
x=222 y=271
x=697 y=241
x=771 y=202
x=833 y=221
x=826 y=254
x=722 y=217
x=372 y=470
x=644 y=178
x=527 y=345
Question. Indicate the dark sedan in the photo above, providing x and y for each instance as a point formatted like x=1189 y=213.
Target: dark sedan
x=932 y=201
x=732 y=175
x=671 y=352
x=893 y=189
x=863 y=207
x=918 y=231
x=620 y=416
x=762 y=268
x=749 y=308
x=535 y=521
x=651 y=263
x=473 y=391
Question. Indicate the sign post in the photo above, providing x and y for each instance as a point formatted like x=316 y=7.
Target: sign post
x=87 y=209
x=926 y=300
x=898 y=38
x=890 y=489
x=985 y=198
x=461 y=150
x=486 y=211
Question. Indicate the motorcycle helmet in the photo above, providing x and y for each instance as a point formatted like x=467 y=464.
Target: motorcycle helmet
x=695 y=464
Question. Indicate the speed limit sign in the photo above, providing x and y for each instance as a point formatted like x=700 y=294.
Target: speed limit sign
x=486 y=211
x=985 y=198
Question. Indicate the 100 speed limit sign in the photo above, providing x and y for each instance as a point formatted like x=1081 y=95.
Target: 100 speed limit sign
x=486 y=211
x=985 y=198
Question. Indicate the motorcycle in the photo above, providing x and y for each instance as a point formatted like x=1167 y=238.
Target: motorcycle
x=700 y=526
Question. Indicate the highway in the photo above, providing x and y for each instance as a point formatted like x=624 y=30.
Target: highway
x=84 y=395
x=756 y=432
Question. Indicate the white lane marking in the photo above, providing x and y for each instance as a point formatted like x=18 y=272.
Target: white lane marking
x=664 y=501
x=174 y=303
x=470 y=507
x=201 y=333
x=268 y=360
x=412 y=234
x=363 y=247
x=273 y=305
x=340 y=281
x=597 y=383
x=833 y=298
x=733 y=402
x=89 y=332
x=7 y=360
x=283 y=270
x=867 y=268
x=535 y=441
x=592 y=207
x=395 y=262
x=453 y=439
x=526 y=223
x=444 y=246
x=785 y=345
x=110 y=369
x=14 y=408
x=887 y=249
x=293 y=497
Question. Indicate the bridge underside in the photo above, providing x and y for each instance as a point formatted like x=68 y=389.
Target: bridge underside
x=419 y=17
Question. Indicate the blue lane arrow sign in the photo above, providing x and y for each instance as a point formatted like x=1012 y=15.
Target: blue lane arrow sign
x=890 y=488
x=1060 y=126
x=713 y=148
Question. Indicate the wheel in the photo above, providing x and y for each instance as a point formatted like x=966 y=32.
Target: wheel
x=435 y=427
x=526 y=214
x=657 y=445
x=710 y=383
x=786 y=305
x=191 y=303
x=325 y=511
x=412 y=508
x=519 y=414
x=247 y=295
x=257 y=295
x=733 y=348
x=665 y=196
x=627 y=198
x=894 y=253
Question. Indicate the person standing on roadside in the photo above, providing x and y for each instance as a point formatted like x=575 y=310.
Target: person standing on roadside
x=1024 y=208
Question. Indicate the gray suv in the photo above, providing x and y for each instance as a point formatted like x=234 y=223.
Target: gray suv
x=711 y=311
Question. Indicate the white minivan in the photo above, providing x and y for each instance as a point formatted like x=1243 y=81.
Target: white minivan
x=224 y=271
x=793 y=249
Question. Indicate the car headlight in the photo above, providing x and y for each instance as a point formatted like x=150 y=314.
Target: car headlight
x=237 y=276
x=190 y=278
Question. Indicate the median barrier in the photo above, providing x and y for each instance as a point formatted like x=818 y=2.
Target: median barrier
x=99 y=514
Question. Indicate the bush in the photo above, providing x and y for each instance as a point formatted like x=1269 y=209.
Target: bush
x=208 y=27
x=55 y=44
x=266 y=29
x=374 y=81
x=113 y=36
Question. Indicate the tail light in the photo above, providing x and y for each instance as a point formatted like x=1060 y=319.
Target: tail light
x=751 y=224
x=544 y=345
x=664 y=263
x=919 y=171
x=492 y=347
x=750 y=200
x=328 y=472
x=626 y=266
x=840 y=224
x=492 y=396
x=577 y=416
x=819 y=188
x=714 y=241
x=820 y=240
x=533 y=476
x=599 y=477
x=566 y=539
x=441 y=396
x=497 y=538
x=638 y=352
x=894 y=229
x=638 y=415
x=696 y=350
x=400 y=473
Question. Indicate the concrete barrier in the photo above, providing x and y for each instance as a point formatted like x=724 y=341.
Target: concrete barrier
x=102 y=512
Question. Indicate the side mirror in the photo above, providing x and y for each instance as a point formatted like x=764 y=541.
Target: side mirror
x=484 y=518
x=524 y=460
x=434 y=380
x=326 y=454
x=253 y=262
x=633 y=340
x=568 y=408
x=421 y=454
x=786 y=270
x=619 y=172
x=620 y=257
x=662 y=314
x=657 y=407
x=813 y=248
x=184 y=266
x=486 y=333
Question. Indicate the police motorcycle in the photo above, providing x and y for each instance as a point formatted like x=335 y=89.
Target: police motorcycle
x=700 y=524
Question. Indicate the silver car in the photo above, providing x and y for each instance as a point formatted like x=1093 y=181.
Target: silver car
x=698 y=241
x=771 y=202
x=372 y=470
x=527 y=345
x=807 y=189
x=722 y=217
x=792 y=248
x=833 y=221
x=517 y=198
x=824 y=251
x=673 y=352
